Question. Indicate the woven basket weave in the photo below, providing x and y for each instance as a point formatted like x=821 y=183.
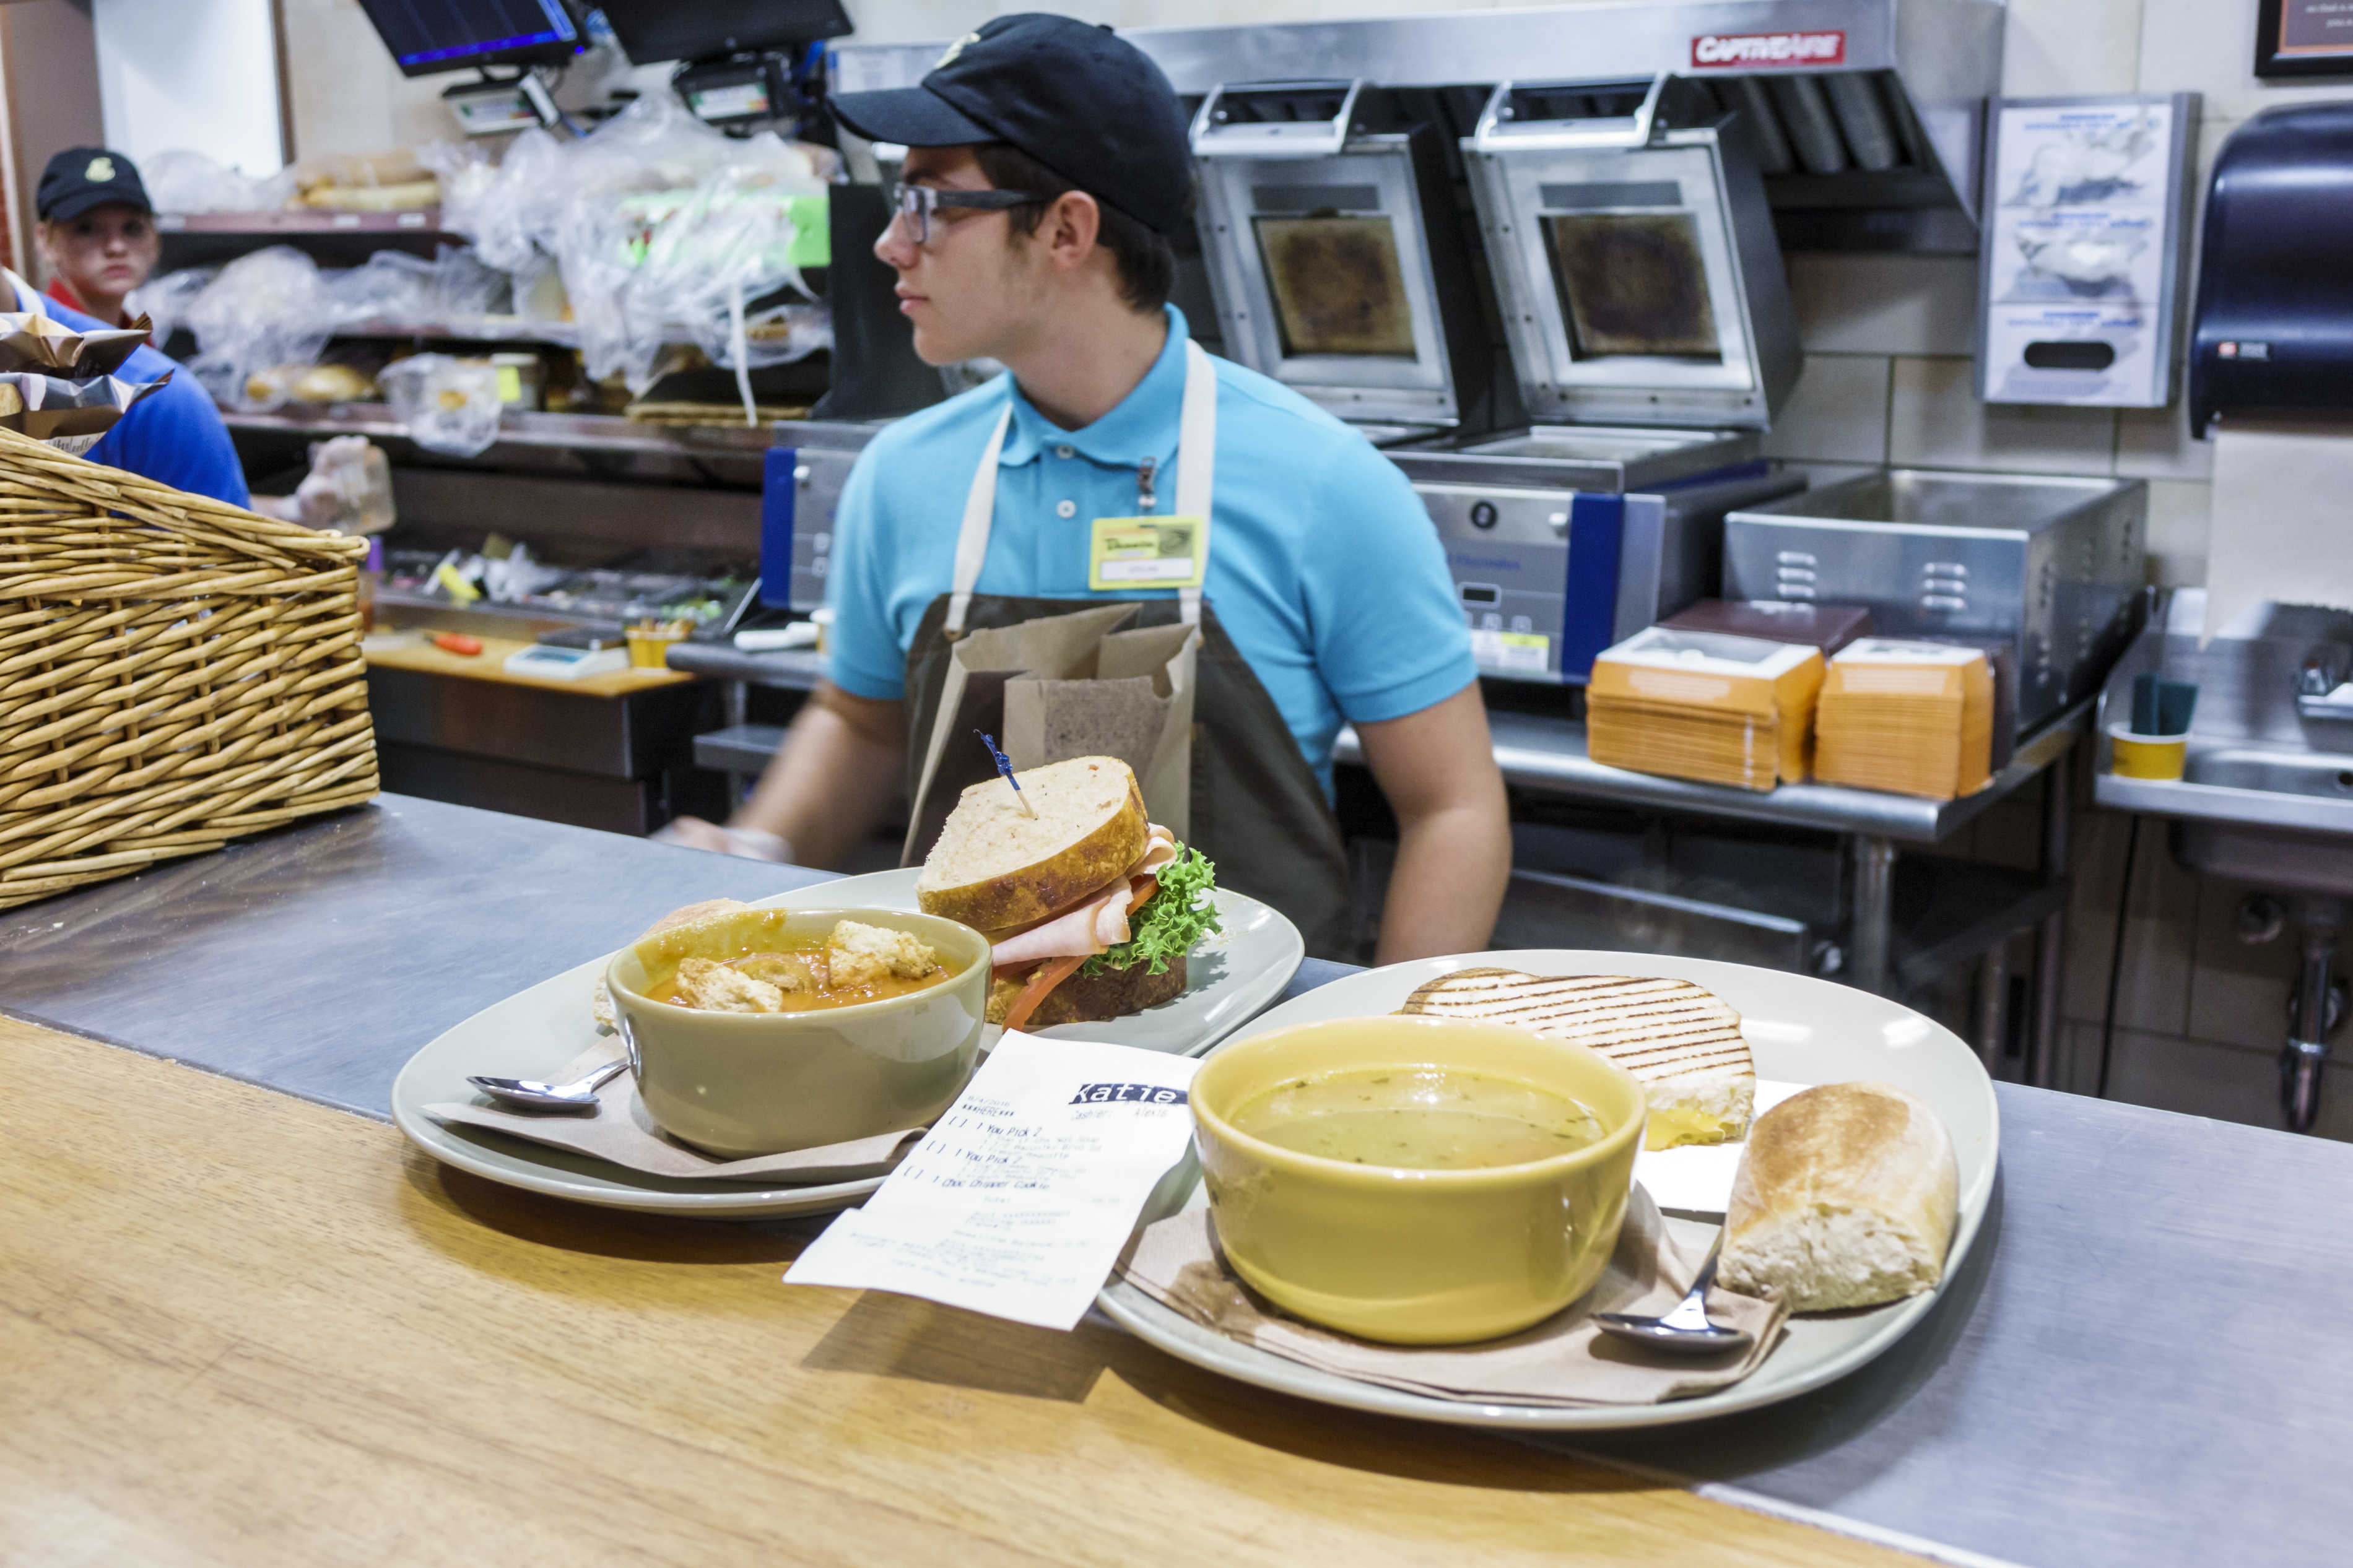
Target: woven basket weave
x=174 y=672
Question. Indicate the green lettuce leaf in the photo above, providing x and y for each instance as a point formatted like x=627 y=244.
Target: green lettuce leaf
x=1180 y=914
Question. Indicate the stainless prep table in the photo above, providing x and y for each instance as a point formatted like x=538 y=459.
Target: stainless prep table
x=317 y=959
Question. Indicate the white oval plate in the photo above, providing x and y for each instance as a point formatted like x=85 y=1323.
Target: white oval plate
x=1801 y=1030
x=1229 y=977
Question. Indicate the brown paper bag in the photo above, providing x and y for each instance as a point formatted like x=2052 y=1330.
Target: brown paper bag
x=1061 y=686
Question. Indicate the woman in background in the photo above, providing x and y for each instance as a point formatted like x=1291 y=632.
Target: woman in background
x=96 y=231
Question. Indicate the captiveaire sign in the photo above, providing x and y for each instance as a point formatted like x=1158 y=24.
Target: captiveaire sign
x=1724 y=51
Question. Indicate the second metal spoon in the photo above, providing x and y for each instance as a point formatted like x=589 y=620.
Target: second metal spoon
x=1684 y=1329
x=533 y=1095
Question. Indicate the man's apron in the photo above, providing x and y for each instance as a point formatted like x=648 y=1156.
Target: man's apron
x=1258 y=810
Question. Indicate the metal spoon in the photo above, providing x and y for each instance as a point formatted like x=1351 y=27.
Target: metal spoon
x=1684 y=1329
x=531 y=1094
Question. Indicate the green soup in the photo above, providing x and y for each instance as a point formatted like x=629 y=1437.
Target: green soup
x=1420 y=1118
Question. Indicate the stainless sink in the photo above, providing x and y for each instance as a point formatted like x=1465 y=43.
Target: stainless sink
x=2266 y=791
x=2325 y=774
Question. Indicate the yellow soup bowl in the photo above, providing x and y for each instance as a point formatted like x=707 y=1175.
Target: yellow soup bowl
x=741 y=1084
x=1416 y=1257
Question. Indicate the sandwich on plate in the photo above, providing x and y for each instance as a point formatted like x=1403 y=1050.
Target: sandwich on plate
x=1090 y=905
x=1682 y=1041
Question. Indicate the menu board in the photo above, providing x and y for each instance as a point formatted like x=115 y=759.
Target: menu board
x=2081 y=244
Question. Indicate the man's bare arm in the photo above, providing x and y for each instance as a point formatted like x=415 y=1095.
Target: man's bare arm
x=1454 y=831
x=829 y=784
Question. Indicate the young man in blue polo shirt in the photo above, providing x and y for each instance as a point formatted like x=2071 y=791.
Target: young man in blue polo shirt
x=1047 y=165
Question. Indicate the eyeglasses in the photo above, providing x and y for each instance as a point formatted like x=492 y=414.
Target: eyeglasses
x=917 y=202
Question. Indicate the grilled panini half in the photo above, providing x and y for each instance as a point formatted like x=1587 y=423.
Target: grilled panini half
x=1682 y=1042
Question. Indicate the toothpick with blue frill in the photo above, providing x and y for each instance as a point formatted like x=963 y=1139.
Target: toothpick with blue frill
x=1005 y=766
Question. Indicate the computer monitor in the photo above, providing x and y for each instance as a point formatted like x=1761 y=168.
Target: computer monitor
x=650 y=30
x=430 y=35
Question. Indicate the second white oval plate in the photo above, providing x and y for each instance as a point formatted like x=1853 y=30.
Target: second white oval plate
x=1801 y=1030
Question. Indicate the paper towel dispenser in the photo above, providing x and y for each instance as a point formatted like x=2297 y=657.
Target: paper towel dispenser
x=2274 y=320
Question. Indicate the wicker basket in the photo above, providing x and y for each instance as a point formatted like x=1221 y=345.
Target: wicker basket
x=174 y=673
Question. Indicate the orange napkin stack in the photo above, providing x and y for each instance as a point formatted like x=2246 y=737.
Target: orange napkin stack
x=1705 y=706
x=1907 y=716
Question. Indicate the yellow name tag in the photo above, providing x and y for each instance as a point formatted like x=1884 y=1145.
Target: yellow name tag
x=1147 y=553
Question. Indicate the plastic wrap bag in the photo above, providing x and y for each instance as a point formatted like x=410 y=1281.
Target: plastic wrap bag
x=515 y=575
x=270 y=309
x=393 y=286
x=503 y=208
x=727 y=245
x=165 y=301
x=672 y=230
x=184 y=182
x=349 y=488
x=450 y=405
x=454 y=290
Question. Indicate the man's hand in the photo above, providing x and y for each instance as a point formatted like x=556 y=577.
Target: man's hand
x=836 y=773
x=1454 y=831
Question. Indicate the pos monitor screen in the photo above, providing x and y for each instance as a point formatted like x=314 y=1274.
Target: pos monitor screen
x=428 y=35
x=650 y=30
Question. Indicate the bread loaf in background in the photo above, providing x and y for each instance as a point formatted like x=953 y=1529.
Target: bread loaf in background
x=1846 y=1197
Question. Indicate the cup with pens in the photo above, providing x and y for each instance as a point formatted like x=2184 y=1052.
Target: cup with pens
x=650 y=641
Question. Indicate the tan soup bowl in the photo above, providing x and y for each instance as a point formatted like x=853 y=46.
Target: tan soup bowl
x=741 y=1084
x=1416 y=1257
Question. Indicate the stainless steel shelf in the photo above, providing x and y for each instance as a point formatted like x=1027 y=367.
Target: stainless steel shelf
x=1548 y=755
x=1542 y=753
x=503 y=329
x=565 y=432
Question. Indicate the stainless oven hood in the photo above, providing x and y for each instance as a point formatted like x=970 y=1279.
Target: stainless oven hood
x=1868 y=115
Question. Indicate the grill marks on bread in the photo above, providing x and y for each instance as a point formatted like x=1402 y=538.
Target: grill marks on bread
x=1657 y=1029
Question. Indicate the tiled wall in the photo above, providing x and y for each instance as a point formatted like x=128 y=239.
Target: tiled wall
x=1888 y=379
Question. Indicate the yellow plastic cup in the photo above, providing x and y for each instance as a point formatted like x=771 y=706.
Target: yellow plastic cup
x=650 y=642
x=2145 y=756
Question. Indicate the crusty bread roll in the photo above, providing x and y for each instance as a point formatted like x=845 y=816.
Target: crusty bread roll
x=1845 y=1198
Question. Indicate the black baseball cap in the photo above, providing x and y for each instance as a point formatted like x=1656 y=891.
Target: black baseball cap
x=80 y=178
x=1080 y=100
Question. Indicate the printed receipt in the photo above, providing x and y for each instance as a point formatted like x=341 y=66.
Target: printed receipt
x=1018 y=1201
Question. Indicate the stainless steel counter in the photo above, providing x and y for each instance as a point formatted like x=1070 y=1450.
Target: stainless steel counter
x=317 y=960
x=2099 y=1385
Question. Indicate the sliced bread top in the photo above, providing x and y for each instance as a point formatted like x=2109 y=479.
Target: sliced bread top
x=996 y=865
x=1659 y=1030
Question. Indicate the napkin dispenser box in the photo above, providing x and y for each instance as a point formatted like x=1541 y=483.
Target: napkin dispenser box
x=2050 y=565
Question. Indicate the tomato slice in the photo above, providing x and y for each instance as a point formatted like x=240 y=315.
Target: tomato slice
x=1047 y=975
